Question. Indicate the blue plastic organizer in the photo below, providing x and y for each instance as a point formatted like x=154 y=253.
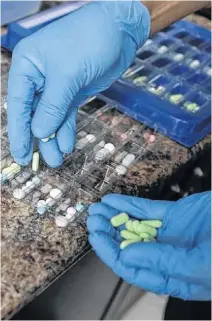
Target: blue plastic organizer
x=166 y=77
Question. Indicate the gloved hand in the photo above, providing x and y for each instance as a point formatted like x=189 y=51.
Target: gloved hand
x=54 y=70
x=178 y=264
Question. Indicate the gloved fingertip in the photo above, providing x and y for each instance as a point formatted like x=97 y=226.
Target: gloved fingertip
x=92 y=208
x=107 y=199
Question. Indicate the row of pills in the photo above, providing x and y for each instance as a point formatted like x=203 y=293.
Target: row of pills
x=136 y=231
x=125 y=163
x=83 y=141
x=190 y=106
x=20 y=193
x=62 y=221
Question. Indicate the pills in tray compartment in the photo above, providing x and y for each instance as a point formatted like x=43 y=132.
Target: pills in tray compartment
x=90 y=138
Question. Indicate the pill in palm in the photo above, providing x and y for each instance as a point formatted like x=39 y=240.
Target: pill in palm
x=153 y=223
x=119 y=219
x=126 y=243
x=141 y=227
x=144 y=235
x=35 y=161
x=130 y=235
x=135 y=226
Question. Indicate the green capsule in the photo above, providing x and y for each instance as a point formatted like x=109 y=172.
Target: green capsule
x=119 y=219
x=136 y=224
x=129 y=235
x=126 y=243
x=145 y=235
x=129 y=226
x=146 y=228
x=153 y=223
x=175 y=99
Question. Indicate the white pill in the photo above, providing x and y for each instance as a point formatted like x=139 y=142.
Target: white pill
x=70 y=214
x=81 y=134
x=30 y=184
x=128 y=160
x=46 y=188
x=36 y=180
x=148 y=42
x=35 y=161
x=209 y=71
x=14 y=183
x=25 y=175
x=198 y=172
x=101 y=154
x=61 y=221
x=110 y=147
x=55 y=193
x=5 y=105
x=121 y=170
x=45 y=140
x=178 y=57
x=67 y=201
x=163 y=49
x=19 y=193
x=63 y=207
x=195 y=64
x=99 y=146
x=81 y=143
x=36 y=195
x=41 y=207
x=120 y=156
x=91 y=138
x=50 y=201
x=175 y=188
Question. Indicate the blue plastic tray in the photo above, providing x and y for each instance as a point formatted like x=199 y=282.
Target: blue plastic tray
x=174 y=62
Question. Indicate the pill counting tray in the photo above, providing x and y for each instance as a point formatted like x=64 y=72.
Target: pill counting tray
x=168 y=86
x=83 y=178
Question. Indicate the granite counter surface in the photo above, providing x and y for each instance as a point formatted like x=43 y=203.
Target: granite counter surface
x=34 y=251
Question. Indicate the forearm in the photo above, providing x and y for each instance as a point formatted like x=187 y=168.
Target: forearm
x=164 y=13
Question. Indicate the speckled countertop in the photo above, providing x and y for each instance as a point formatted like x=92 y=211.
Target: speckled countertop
x=34 y=251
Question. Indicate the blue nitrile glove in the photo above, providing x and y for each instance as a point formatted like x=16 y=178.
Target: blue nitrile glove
x=64 y=63
x=179 y=264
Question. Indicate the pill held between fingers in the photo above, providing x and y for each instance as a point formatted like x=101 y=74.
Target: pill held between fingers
x=129 y=235
x=126 y=243
x=119 y=219
x=55 y=193
x=121 y=170
x=61 y=221
x=128 y=160
x=35 y=161
x=45 y=140
x=18 y=193
x=52 y=136
x=153 y=223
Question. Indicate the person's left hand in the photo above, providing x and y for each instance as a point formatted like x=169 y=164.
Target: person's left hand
x=178 y=264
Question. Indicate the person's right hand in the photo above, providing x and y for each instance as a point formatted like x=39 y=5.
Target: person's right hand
x=178 y=264
x=55 y=69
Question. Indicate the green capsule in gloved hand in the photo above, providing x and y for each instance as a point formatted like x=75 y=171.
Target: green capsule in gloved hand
x=153 y=223
x=136 y=223
x=129 y=235
x=119 y=219
x=145 y=235
x=126 y=243
x=129 y=226
x=140 y=228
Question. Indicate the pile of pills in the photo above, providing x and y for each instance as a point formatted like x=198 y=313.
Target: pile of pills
x=136 y=231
